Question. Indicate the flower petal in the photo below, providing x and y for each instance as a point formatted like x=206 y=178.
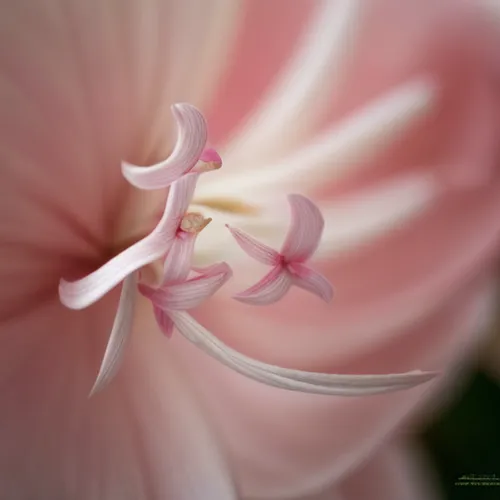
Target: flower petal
x=192 y=293
x=293 y=380
x=259 y=251
x=297 y=101
x=164 y=322
x=178 y=260
x=306 y=278
x=305 y=230
x=122 y=327
x=341 y=151
x=192 y=137
x=80 y=294
x=271 y=288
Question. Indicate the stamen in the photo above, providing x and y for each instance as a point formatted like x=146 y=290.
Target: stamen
x=194 y=222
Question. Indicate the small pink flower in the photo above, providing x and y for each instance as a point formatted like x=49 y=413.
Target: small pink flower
x=289 y=266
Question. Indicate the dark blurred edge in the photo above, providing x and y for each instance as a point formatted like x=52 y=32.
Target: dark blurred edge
x=465 y=441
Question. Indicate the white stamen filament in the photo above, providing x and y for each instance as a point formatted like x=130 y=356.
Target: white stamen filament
x=290 y=379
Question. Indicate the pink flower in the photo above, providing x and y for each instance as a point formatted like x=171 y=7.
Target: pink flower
x=172 y=241
x=392 y=133
x=289 y=264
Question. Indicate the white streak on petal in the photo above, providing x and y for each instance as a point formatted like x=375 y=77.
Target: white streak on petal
x=337 y=153
x=306 y=228
x=120 y=333
x=294 y=380
x=375 y=212
x=298 y=99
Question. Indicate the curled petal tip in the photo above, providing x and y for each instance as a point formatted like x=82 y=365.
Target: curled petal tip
x=70 y=296
x=209 y=160
x=191 y=140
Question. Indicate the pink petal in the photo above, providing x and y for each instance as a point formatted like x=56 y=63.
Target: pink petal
x=259 y=251
x=305 y=230
x=192 y=293
x=120 y=333
x=164 y=322
x=80 y=294
x=306 y=278
x=192 y=136
x=271 y=288
x=178 y=260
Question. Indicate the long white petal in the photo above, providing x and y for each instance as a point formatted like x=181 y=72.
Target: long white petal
x=375 y=212
x=298 y=99
x=294 y=380
x=120 y=333
x=336 y=153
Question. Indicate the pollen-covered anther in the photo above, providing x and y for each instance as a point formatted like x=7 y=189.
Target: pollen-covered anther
x=194 y=222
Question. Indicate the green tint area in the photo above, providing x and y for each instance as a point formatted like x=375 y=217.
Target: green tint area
x=464 y=443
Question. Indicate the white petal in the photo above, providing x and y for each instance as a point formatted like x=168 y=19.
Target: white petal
x=298 y=99
x=294 y=380
x=120 y=333
x=374 y=212
x=336 y=153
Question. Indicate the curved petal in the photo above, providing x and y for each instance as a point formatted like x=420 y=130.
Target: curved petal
x=190 y=294
x=191 y=140
x=80 y=294
x=254 y=248
x=293 y=380
x=270 y=289
x=306 y=228
x=306 y=278
x=122 y=328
